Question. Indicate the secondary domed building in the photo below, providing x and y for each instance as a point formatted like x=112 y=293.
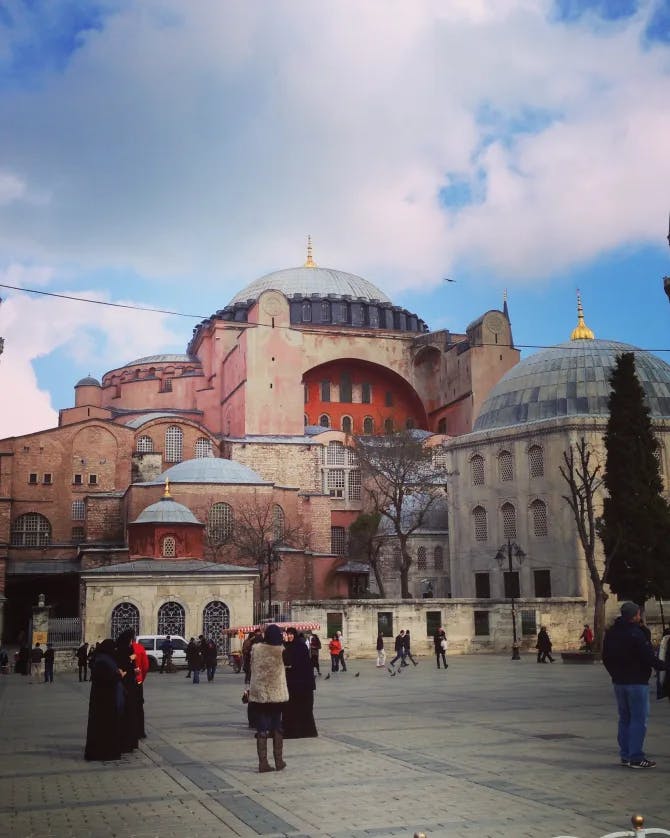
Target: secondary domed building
x=509 y=488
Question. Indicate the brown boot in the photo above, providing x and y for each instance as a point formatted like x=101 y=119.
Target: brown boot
x=262 y=749
x=278 y=749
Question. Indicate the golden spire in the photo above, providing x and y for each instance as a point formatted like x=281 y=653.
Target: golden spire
x=310 y=263
x=166 y=493
x=581 y=330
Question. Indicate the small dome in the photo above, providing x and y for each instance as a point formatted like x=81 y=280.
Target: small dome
x=89 y=381
x=166 y=511
x=307 y=281
x=210 y=470
x=435 y=519
x=571 y=379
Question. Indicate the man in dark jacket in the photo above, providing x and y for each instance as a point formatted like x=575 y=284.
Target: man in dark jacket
x=629 y=658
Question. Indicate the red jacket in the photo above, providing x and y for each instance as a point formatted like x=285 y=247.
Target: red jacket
x=141 y=662
x=335 y=646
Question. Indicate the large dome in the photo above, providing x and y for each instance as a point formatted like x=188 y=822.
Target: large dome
x=307 y=281
x=210 y=470
x=571 y=379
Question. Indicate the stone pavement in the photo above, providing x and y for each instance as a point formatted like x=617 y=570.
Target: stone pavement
x=489 y=748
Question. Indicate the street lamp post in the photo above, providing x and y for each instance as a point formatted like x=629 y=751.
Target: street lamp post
x=505 y=552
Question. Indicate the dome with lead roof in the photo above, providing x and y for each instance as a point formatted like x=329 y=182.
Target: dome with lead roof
x=166 y=511
x=210 y=470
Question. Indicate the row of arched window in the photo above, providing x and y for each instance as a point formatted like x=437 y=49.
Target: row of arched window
x=347 y=424
x=505 y=466
x=508 y=517
x=221 y=521
x=171 y=619
x=174 y=444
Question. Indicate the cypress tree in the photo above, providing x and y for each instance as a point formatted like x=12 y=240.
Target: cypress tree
x=635 y=527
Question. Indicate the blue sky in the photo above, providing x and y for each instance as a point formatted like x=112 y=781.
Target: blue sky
x=166 y=154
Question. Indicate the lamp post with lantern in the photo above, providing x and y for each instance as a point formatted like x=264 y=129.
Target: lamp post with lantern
x=504 y=555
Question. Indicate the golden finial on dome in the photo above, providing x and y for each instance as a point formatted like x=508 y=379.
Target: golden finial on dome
x=581 y=330
x=310 y=263
x=166 y=493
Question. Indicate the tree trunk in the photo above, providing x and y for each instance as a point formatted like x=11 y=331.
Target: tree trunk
x=599 y=618
x=378 y=578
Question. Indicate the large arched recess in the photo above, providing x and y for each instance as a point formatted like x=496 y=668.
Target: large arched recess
x=391 y=396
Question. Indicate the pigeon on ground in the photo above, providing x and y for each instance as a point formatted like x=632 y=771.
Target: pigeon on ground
x=357 y=675
x=327 y=676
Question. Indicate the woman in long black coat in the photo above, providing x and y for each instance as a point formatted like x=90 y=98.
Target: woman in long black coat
x=103 y=735
x=298 y=714
x=130 y=719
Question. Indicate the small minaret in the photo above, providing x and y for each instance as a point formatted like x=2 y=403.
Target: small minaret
x=581 y=330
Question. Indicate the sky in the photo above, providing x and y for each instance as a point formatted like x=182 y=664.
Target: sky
x=165 y=154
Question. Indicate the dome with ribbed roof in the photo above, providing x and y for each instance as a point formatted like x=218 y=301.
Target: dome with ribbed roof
x=210 y=470
x=166 y=511
x=571 y=379
x=306 y=281
x=88 y=381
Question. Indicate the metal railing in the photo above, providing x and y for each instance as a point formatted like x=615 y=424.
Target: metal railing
x=281 y=611
x=64 y=632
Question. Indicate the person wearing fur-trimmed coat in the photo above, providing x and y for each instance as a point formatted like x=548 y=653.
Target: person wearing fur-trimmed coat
x=268 y=694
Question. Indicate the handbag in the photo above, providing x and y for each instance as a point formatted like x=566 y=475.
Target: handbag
x=443 y=645
x=245 y=697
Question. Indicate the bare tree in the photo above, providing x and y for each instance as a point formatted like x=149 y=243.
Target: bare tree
x=584 y=479
x=365 y=546
x=402 y=481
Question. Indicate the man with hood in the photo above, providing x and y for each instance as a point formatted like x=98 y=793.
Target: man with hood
x=268 y=694
x=629 y=658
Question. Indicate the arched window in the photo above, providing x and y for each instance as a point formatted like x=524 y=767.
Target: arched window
x=169 y=547
x=410 y=424
x=215 y=620
x=368 y=425
x=538 y=512
x=31 y=530
x=171 y=619
x=203 y=447
x=438 y=558
x=509 y=520
x=505 y=470
x=477 y=470
x=346 y=424
x=335 y=454
x=535 y=461
x=78 y=510
x=124 y=616
x=421 y=563
x=220 y=523
x=480 y=523
x=325 y=391
x=278 y=522
x=324 y=420
x=173 y=444
x=388 y=426
x=144 y=444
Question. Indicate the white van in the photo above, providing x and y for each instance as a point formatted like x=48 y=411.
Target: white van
x=153 y=642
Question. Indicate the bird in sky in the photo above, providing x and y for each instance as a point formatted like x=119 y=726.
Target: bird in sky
x=446 y=279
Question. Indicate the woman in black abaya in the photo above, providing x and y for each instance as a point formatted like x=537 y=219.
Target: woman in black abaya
x=103 y=735
x=130 y=723
x=298 y=714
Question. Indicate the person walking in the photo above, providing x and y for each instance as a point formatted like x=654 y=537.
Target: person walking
x=399 y=645
x=49 y=657
x=628 y=657
x=36 y=657
x=408 y=649
x=440 y=643
x=211 y=659
x=381 y=653
x=314 y=649
x=82 y=661
x=167 y=649
x=298 y=713
x=103 y=733
x=343 y=665
x=190 y=646
x=335 y=649
x=196 y=662
x=543 y=646
x=587 y=637
x=141 y=670
x=268 y=693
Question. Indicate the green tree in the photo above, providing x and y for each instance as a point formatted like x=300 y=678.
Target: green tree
x=365 y=546
x=635 y=526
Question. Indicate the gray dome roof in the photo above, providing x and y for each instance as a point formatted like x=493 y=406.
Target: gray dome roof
x=571 y=379
x=307 y=281
x=89 y=381
x=164 y=359
x=209 y=470
x=436 y=518
x=166 y=511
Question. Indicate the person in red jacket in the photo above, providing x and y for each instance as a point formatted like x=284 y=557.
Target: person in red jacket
x=335 y=648
x=141 y=669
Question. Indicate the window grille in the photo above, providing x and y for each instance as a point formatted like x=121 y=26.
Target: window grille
x=306 y=312
x=78 y=510
x=169 y=549
x=477 y=470
x=346 y=424
x=325 y=391
x=31 y=530
x=166 y=385
x=145 y=444
x=125 y=616
x=278 y=522
x=480 y=523
x=337 y=541
x=215 y=620
x=220 y=522
x=335 y=482
x=505 y=471
x=438 y=558
x=324 y=420
x=352 y=457
x=509 y=520
x=336 y=454
x=32 y=477
x=171 y=619
x=173 y=444
x=368 y=425
x=535 y=461
x=78 y=534
x=421 y=562
x=481 y=623
x=439 y=457
x=538 y=511
x=355 y=484
x=325 y=312
x=203 y=448
x=528 y=622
